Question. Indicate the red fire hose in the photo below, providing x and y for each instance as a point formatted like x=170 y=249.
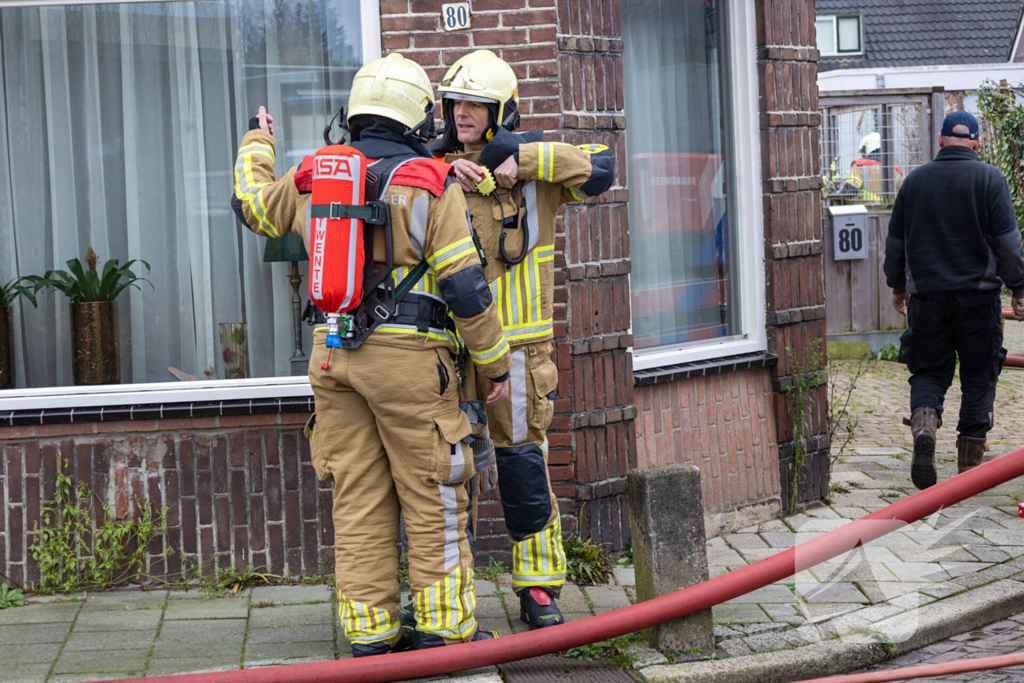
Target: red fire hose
x=928 y=670
x=444 y=660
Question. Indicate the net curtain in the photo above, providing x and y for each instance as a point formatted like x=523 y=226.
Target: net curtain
x=118 y=130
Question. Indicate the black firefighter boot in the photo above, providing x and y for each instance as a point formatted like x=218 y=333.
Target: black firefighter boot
x=924 y=422
x=538 y=609
x=970 y=452
x=404 y=642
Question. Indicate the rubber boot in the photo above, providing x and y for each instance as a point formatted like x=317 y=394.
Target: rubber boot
x=538 y=609
x=425 y=641
x=970 y=451
x=924 y=422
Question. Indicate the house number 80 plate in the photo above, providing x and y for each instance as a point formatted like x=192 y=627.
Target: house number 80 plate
x=455 y=16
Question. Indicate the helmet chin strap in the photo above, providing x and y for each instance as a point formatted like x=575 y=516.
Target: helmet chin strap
x=330 y=124
x=424 y=131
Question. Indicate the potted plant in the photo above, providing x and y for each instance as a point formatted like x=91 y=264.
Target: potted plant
x=94 y=333
x=8 y=293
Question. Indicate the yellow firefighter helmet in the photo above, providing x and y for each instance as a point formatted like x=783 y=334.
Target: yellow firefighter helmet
x=396 y=88
x=483 y=76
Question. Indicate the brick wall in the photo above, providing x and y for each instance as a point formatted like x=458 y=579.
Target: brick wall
x=724 y=425
x=568 y=59
x=795 y=295
x=238 y=491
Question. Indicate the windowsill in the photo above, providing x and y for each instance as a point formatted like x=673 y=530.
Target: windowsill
x=714 y=366
x=156 y=399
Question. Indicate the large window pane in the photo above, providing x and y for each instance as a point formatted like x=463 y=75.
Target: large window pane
x=849 y=34
x=677 y=173
x=825 y=29
x=118 y=129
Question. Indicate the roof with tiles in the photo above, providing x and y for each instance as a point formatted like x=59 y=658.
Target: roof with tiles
x=924 y=32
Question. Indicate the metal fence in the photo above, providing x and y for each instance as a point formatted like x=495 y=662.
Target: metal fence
x=871 y=140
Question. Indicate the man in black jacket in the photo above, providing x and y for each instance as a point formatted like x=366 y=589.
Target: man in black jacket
x=953 y=242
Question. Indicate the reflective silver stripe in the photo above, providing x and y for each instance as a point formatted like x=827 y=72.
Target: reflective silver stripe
x=513 y=334
x=533 y=220
x=412 y=328
x=520 y=578
x=418 y=223
x=549 y=148
x=256 y=204
x=451 y=526
x=518 y=391
x=353 y=231
x=375 y=638
x=449 y=254
x=531 y=272
x=485 y=356
x=513 y=291
x=458 y=464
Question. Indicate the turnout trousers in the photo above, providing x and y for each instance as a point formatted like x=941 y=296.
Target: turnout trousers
x=518 y=427
x=947 y=326
x=388 y=432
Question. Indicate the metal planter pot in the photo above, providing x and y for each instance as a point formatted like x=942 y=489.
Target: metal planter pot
x=6 y=348
x=95 y=356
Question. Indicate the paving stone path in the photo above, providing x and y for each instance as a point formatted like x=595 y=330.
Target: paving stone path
x=1000 y=638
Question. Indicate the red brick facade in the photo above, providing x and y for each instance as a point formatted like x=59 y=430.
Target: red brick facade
x=242 y=490
x=795 y=290
x=237 y=490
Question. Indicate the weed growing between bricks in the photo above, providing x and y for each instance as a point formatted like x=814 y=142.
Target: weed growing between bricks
x=806 y=378
x=74 y=553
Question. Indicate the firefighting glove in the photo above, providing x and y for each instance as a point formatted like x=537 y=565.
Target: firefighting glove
x=505 y=144
x=480 y=442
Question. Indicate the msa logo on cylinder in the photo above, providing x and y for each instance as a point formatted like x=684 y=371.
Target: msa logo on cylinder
x=337 y=168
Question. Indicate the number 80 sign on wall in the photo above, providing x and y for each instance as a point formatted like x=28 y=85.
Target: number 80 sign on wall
x=455 y=16
x=849 y=232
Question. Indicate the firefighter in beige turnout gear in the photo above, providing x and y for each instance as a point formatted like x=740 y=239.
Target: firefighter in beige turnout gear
x=516 y=226
x=387 y=429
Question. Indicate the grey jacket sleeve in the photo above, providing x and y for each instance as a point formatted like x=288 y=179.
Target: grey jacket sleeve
x=895 y=265
x=1004 y=236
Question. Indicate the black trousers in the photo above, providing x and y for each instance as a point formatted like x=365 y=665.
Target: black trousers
x=946 y=326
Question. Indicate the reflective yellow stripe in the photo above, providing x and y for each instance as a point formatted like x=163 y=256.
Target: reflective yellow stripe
x=446 y=607
x=519 y=273
x=452 y=252
x=490 y=355
x=259 y=209
x=577 y=194
x=540 y=559
x=520 y=333
x=365 y=624
x=259 y=148
x=551 y=162
x=540 y=160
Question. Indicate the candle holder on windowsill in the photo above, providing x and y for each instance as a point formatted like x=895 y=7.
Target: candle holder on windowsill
x=290 y=249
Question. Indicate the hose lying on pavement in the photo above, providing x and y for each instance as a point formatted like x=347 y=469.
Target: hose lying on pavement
x=423 y=663
x=928 y=670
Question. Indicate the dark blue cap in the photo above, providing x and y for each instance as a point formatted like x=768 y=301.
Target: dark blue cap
x=957 y=118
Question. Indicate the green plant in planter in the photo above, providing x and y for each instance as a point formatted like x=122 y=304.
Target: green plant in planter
x=85 y=286
x=13 y=289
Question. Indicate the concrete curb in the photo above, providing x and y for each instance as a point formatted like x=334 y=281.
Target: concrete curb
x=888 y=638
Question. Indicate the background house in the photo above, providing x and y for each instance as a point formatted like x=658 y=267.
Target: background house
x=687 y=297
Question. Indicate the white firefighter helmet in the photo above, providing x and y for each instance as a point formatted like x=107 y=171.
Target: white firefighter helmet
x=396 y=88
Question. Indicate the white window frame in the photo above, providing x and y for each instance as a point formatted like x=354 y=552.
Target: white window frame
x=746 y=172
x=176 y=392
x=834 y=19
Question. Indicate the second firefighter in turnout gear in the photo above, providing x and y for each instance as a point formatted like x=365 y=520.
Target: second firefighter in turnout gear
x=387 y=430
x=515 y=222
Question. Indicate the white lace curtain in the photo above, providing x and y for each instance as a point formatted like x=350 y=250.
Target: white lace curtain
x=118 y=129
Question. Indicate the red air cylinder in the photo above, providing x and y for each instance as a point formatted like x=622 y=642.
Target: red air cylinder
x=337 y=254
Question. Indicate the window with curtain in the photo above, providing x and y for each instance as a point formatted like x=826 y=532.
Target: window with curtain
x=679 y=175
x=118 y=130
